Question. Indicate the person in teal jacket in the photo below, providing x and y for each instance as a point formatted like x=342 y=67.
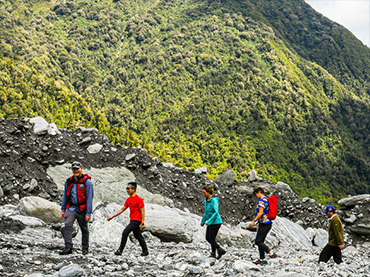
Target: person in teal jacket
x=212 y=219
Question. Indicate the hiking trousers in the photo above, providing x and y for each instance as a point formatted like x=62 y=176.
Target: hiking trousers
x=211 y=234
x=134 y=226
x=263 y=229
x=331 y=251
x=70 y=217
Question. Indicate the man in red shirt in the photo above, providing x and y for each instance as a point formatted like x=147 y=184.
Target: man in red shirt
x=137 y=216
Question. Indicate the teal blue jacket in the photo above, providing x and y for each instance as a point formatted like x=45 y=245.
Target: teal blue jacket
x=211 y=214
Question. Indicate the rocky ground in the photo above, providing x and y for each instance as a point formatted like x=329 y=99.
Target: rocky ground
x=26 y=255
x=34 y=161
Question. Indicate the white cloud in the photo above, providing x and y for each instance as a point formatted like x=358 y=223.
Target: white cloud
x=352 y=14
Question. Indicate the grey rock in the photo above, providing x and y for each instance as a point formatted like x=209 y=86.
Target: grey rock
x=227 y=178
x=40 y=126
x=53 y=130
x=321 y=238
x=362 y=229
x=354 y=200
x=41 y=208
x=242 y=266
x=86 y=140
x=351 y=219
x=72 y=270
x=252 y=176
x=245 y=189
x=283 y=186
x=94 y=148
x=1 y=192
x=28 y=220
x=168 y=165
x=201 y=170
x=130 y=156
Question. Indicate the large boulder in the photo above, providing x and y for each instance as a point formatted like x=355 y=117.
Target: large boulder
x=43 y=209
x=167 y=224
x=289 y=234
x=354 y=200
x=109 y=184
x=227 y=178
x=41 y=126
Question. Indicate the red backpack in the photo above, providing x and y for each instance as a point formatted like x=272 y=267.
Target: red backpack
x=273 y=207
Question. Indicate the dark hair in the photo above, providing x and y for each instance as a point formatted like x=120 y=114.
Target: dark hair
x=259 y=189
x=133 y=185
x=209 y=189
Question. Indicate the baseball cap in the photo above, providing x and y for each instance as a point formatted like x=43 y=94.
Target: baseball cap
x=76 y=164
x=329 y=208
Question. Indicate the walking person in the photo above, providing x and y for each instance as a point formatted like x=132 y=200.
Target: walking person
x=264 y=226
x=336 y=239
x=77 y=204
x=137 y=217
x=212 y=219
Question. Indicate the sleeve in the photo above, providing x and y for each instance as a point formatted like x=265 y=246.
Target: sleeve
x=126 y=202
x=204 y=216
x=141 y=203
x=64 y=201
x=89 y=197
x=338 y=232
x=214 y=206
x=261 y=203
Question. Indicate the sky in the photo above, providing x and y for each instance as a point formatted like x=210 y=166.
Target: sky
x=352 y=14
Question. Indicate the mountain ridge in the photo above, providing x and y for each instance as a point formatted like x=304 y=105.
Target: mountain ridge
x=195 y=84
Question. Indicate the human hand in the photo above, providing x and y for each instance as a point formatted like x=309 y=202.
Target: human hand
x=109 y=218
x=87 y=218
x=62 y=214
x=341 y=247
x=251 y=224
x=142 y=226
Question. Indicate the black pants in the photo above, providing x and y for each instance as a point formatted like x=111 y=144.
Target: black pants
x=70 y=218
x=331 y=251
x=134 y=226
x=263 y=229
x=211 y=234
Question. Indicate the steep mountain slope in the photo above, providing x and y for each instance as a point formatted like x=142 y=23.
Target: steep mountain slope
x=199 y=84
x=318 y=39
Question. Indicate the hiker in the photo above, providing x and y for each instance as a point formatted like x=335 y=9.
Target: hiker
x=77 y=204
x=137 y=217
x=264 y=226
x=212 y=219
x=336 y=240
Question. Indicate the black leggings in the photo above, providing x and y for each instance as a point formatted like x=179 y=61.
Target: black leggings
x=263 y=229
x=134 y=226
x=331 y=251
x=211 y=234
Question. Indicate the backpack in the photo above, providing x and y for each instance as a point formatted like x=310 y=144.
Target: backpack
x=273 y=207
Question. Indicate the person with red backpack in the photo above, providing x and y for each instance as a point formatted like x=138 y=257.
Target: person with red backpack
x=77 y=204
x=264 y=226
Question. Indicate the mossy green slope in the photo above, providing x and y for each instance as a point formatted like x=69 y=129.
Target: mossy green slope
x=196 y=83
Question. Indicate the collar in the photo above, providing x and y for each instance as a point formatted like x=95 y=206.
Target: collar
x=332 y=216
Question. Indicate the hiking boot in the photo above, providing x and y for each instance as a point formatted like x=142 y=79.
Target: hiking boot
x=118 y=252
x=66 y=251
x=85 y=251
x=273 y=256
x=145 y=253
x=220 y=252
x=212 y=255
x=259 y=261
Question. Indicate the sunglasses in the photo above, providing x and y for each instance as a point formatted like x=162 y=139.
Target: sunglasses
x=128 y=188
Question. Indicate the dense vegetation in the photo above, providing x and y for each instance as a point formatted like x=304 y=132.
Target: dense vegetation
x=194 y=82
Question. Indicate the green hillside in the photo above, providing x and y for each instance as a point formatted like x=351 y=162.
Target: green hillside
x=193 y=82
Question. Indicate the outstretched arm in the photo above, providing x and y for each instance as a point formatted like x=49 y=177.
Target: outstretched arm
x=124 y=208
